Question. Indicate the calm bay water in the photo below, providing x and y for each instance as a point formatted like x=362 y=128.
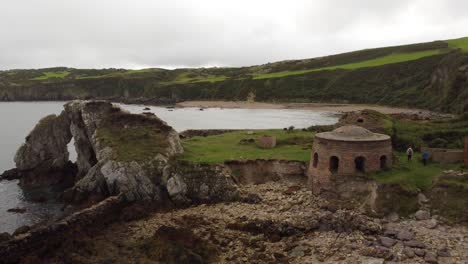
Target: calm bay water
x=18 y=118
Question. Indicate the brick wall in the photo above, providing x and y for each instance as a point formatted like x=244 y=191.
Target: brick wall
x=346 y=151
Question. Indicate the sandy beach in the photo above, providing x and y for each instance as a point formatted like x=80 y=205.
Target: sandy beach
x=311 y=106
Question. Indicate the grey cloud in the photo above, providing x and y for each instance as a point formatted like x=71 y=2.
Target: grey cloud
x=151 y=33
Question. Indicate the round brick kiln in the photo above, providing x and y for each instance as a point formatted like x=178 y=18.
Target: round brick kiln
x=348 y=150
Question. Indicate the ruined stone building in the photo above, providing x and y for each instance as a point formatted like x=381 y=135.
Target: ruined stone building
x=347 y=150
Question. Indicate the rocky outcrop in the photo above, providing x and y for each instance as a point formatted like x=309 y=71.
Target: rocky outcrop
x=43 y=238
x=118 y=153
x=44 y=155
x=197 y=183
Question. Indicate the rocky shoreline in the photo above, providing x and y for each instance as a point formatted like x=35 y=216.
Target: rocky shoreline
x=141 y=204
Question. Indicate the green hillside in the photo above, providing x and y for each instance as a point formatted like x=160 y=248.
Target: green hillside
x=429 y=75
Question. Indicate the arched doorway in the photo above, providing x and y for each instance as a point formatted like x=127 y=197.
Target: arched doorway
x=383 y=162
x=334 y=164
x=360 y=164
x=315 y=162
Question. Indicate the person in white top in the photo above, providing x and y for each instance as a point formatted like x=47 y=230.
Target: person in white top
x=409 y=153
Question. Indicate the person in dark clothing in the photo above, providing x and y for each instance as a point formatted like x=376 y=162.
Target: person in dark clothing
x=425 y=157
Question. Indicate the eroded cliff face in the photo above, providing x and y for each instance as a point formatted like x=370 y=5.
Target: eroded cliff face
x=118 y=153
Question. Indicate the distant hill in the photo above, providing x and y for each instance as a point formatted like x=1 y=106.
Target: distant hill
x=429 y=75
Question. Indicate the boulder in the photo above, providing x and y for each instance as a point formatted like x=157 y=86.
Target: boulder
x=405 y=235
x=422 y=215
x=387 y=242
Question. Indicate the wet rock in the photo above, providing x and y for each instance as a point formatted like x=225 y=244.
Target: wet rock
x=405 y=235
x=21 y=230
x=430 y=257
x=409 y=252
x=387 y=242
x=17 y=210
x=5 y=237
x=11 y=174
x=422 y=215
x=414 y=244
x=39 y=199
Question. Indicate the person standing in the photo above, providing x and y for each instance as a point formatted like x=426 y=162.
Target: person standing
x=409 y=153
x=425 y=157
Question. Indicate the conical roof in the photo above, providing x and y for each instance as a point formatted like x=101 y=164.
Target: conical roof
x=352 y=133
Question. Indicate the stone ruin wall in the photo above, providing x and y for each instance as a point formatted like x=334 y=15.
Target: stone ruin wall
x=267 y=142
x=445 y=156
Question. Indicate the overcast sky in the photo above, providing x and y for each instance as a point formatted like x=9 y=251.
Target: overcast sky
x=183 y=33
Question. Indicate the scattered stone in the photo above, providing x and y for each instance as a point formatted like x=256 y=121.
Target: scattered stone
x=251 y=198
x=414 y=244
x=373 y=261
x=419 y=252
x=387 y=242
x=422 y=198
x=431 y=224
x=391 y=233
x=443 y=253
x=405 y=235
x=393 y=217
x=298 y=251
x=377 y=252
x=292 y=190
x=17 y=210
x=409 y=252
x=422 y=215
x=21 y=230
x=431 y=258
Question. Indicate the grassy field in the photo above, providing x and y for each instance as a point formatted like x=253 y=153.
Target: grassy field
x=187 y=77
x=393 y=58
x=50 y=75
x=215 y=149
x=412 y=175
x=461 y=43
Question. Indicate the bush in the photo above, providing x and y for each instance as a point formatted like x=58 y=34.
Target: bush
x=402 y=142
x=438 y=143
